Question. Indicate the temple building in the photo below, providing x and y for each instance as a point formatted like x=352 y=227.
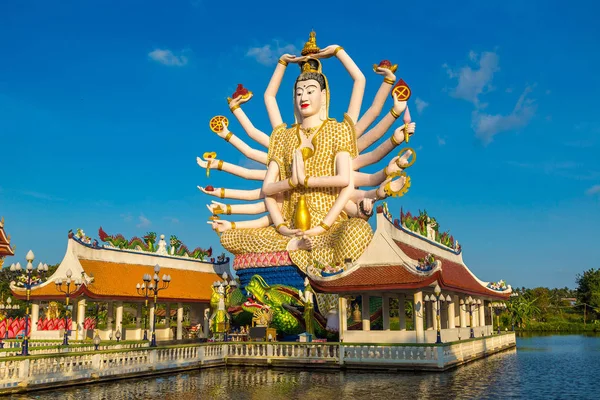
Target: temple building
x=5 y=248
x=412 y=267
x=108 y=274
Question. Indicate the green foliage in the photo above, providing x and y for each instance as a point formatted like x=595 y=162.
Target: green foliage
x=588 y=291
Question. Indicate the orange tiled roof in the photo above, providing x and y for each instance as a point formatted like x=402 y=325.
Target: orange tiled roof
x=117 y=281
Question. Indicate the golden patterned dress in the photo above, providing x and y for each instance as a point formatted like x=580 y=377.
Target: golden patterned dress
x=347 y=237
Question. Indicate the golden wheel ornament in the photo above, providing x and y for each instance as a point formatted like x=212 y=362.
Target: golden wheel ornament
x=398 y=193
x=412 y=157
x=216 y=123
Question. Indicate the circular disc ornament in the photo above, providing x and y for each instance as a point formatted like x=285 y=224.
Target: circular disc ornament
x=413 y=157
x=216 y=123
x=401 y=90
x=402 y=191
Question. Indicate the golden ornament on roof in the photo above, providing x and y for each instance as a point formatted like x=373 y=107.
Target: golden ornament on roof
x=311 y=47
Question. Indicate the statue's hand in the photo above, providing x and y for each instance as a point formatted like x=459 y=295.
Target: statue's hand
x=203 y=164
x=224 y=131
x=298 y=165
x=240 y=100
x=386 y=72
x=220 y=225
x=287 y=231
x=327 y=52
x=317 y=230
x=399 y=132
x=288 y=58
x=215 y=205
x=399 y=106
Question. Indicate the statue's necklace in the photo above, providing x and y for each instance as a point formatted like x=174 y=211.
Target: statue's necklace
x=308 y=132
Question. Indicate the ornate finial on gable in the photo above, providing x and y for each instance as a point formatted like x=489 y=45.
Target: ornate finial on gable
x=2 y=222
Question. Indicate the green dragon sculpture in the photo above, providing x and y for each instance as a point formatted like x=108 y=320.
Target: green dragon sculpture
x=286 y=304
x=148 y=243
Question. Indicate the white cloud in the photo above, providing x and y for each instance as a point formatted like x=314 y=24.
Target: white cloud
x=250 y=164
x=127 y=217
x=487 y=126
x=144 y=222
x=473 y=81
x=167 y=57
x=593 y=190
x=41 y=196
x=270 y=53
x=441 y=141
x=421 y=104
x=172 y=220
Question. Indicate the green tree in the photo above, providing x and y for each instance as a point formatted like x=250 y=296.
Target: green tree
x=522 y=309
x=588 y=290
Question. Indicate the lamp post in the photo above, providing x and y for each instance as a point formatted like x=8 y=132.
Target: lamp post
x=143 y=291
x=153 y=285
x=97 y=341
x=224 y=289
x=7 y=308
x=439 y=298
x=469 y=302
x=67 y=290
x=33 y=277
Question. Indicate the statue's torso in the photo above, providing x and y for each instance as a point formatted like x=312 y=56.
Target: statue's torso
x=333 y=138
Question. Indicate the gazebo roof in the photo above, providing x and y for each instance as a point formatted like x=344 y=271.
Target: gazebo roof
x=396 y=260
x=112 y=274
x=5 y=247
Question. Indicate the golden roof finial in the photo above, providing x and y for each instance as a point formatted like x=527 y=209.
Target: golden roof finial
x=311 y=47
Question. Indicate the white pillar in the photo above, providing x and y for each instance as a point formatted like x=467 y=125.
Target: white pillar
x=401 y=312
x=109 y=316
x=81 y=318
x=463 y=313
x=482 y=313
x=119 y=318
x=343 y=316
x=179 y=321
x=418 y=316
x=35 y=316
x=385 y=310
x=366 y=313
x=450 y=314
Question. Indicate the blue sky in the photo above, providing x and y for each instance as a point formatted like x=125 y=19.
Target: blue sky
x=104 y=106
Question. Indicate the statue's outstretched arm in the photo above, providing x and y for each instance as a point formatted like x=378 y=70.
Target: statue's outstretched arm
x=273 y=88
x=229 y=209
x=236 y=194
x=253 y=154
x=246 y=173
x=383 y=149
x=272 y=186
x=256 y=134
x=358 y=90
x=222 y=225
x=373 y=112
x=382 y=126
x=396 y=164
x=343 y=164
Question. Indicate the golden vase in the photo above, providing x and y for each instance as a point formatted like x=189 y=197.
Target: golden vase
x=302 y=217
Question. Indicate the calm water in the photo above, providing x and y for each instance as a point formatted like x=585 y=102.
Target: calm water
x=543 y=367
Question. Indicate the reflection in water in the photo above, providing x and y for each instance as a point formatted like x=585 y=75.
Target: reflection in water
x=564 y=368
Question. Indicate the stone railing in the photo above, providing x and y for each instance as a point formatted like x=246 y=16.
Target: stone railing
x=38 y=348
x=17 y=374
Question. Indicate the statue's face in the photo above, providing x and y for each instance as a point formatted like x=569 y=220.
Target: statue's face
x=309 y=97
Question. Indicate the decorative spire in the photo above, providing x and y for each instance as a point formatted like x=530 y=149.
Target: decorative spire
x=311 y=47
